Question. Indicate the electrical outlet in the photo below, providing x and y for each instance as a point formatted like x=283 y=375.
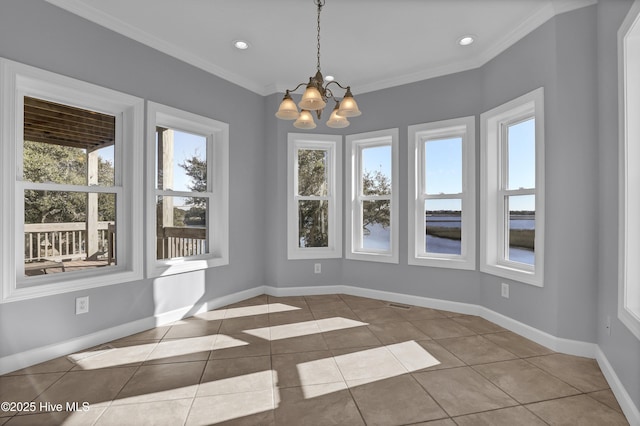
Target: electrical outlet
x=82 y=305
x=317 y=268
x=607 y=325
x=505 y=290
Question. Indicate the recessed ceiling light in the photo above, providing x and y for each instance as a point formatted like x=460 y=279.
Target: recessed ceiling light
x=329 y=78
x=241 y=44
x=466 y=40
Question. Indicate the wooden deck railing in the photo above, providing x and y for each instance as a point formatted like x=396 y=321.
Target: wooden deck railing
x=57 y=241
x=175 y=242
x=67 y=241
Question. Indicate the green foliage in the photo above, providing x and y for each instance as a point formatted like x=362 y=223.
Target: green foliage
x=196 y=169
x=178 y=216
x=444 y=232
x=313 y=225
x=522 y=238
x=50 y=163
x=195 y=216
x=379 y=211
x=312 y=172
x=313 y=215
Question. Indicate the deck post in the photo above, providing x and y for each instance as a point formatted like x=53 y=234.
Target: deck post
x=165 y=181
x=92 y=207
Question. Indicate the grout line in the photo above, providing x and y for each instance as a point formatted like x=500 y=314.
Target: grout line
x=350 y=350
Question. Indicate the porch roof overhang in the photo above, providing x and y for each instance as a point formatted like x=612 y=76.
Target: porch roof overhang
x=49 y=122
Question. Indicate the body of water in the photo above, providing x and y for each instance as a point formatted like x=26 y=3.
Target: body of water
x=379 y=238
x=447 y=246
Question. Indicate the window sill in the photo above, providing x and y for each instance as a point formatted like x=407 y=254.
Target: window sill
x=373 y=257
x=441 y=262
x=515 y=274
x=314 y=253
x=80 y=281
x=180 y=266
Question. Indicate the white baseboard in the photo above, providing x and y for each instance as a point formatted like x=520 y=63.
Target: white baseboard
x=45 y=353
x=629 y=409
x=572 y=347
x=188 y=311
x=558 y=344
x=304 y=291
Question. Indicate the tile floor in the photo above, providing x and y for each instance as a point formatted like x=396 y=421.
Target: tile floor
x=317 y=360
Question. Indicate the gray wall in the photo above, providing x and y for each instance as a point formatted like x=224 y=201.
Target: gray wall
x=39 y=34
x=621 y=348
x=559 y=56
x=581 y=279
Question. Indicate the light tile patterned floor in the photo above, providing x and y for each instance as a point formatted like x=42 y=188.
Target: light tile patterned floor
x=317 y=360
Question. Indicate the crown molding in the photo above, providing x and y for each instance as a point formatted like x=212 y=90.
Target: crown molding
x=548 y=11
x=98 y=17
x=562 y=6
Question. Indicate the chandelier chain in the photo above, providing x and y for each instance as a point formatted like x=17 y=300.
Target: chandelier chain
x=320 y=4
x=316 y=96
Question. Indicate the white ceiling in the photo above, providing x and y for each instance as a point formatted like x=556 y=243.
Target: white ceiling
x=367 y=44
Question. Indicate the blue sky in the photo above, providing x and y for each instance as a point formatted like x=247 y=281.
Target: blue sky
x=443 y=160
x=377 y=158
x=185 y=146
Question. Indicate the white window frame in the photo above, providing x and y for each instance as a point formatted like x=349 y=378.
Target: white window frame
x=329 y=143
x=18 y=81
x=354 y=145
x=629 y=173
x=493 y=173
x=217 y=136
x=418 y=135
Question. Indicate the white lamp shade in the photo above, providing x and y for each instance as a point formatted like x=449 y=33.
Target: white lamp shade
x=311 y=99
x=305 y=121
x=288 y=109
x=348 y=107
x=337 y=122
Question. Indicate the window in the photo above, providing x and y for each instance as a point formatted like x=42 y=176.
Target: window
x=314 y=209
x=442 y=194
x=512 y=187
x=75 y=183
x=187 y=166
x=372 y=198
x=629 y=209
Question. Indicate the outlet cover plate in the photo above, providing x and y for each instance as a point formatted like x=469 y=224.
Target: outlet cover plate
x=82 y=305
x=505 y=290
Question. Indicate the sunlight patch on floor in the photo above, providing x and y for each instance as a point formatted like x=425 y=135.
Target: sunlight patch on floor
x=304 y=328
x=247 y=311
x=338 y=323
x=366 y=366
x=314 y=391
x=256 y=381
x=109 y=356
x=412 y=356
x=225 y=342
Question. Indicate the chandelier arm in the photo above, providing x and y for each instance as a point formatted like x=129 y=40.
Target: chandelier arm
x=328 y=93
x=338 y=84
x=297 y=87
x=316 y=95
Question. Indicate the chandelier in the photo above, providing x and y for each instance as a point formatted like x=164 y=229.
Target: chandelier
x=315 y=98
